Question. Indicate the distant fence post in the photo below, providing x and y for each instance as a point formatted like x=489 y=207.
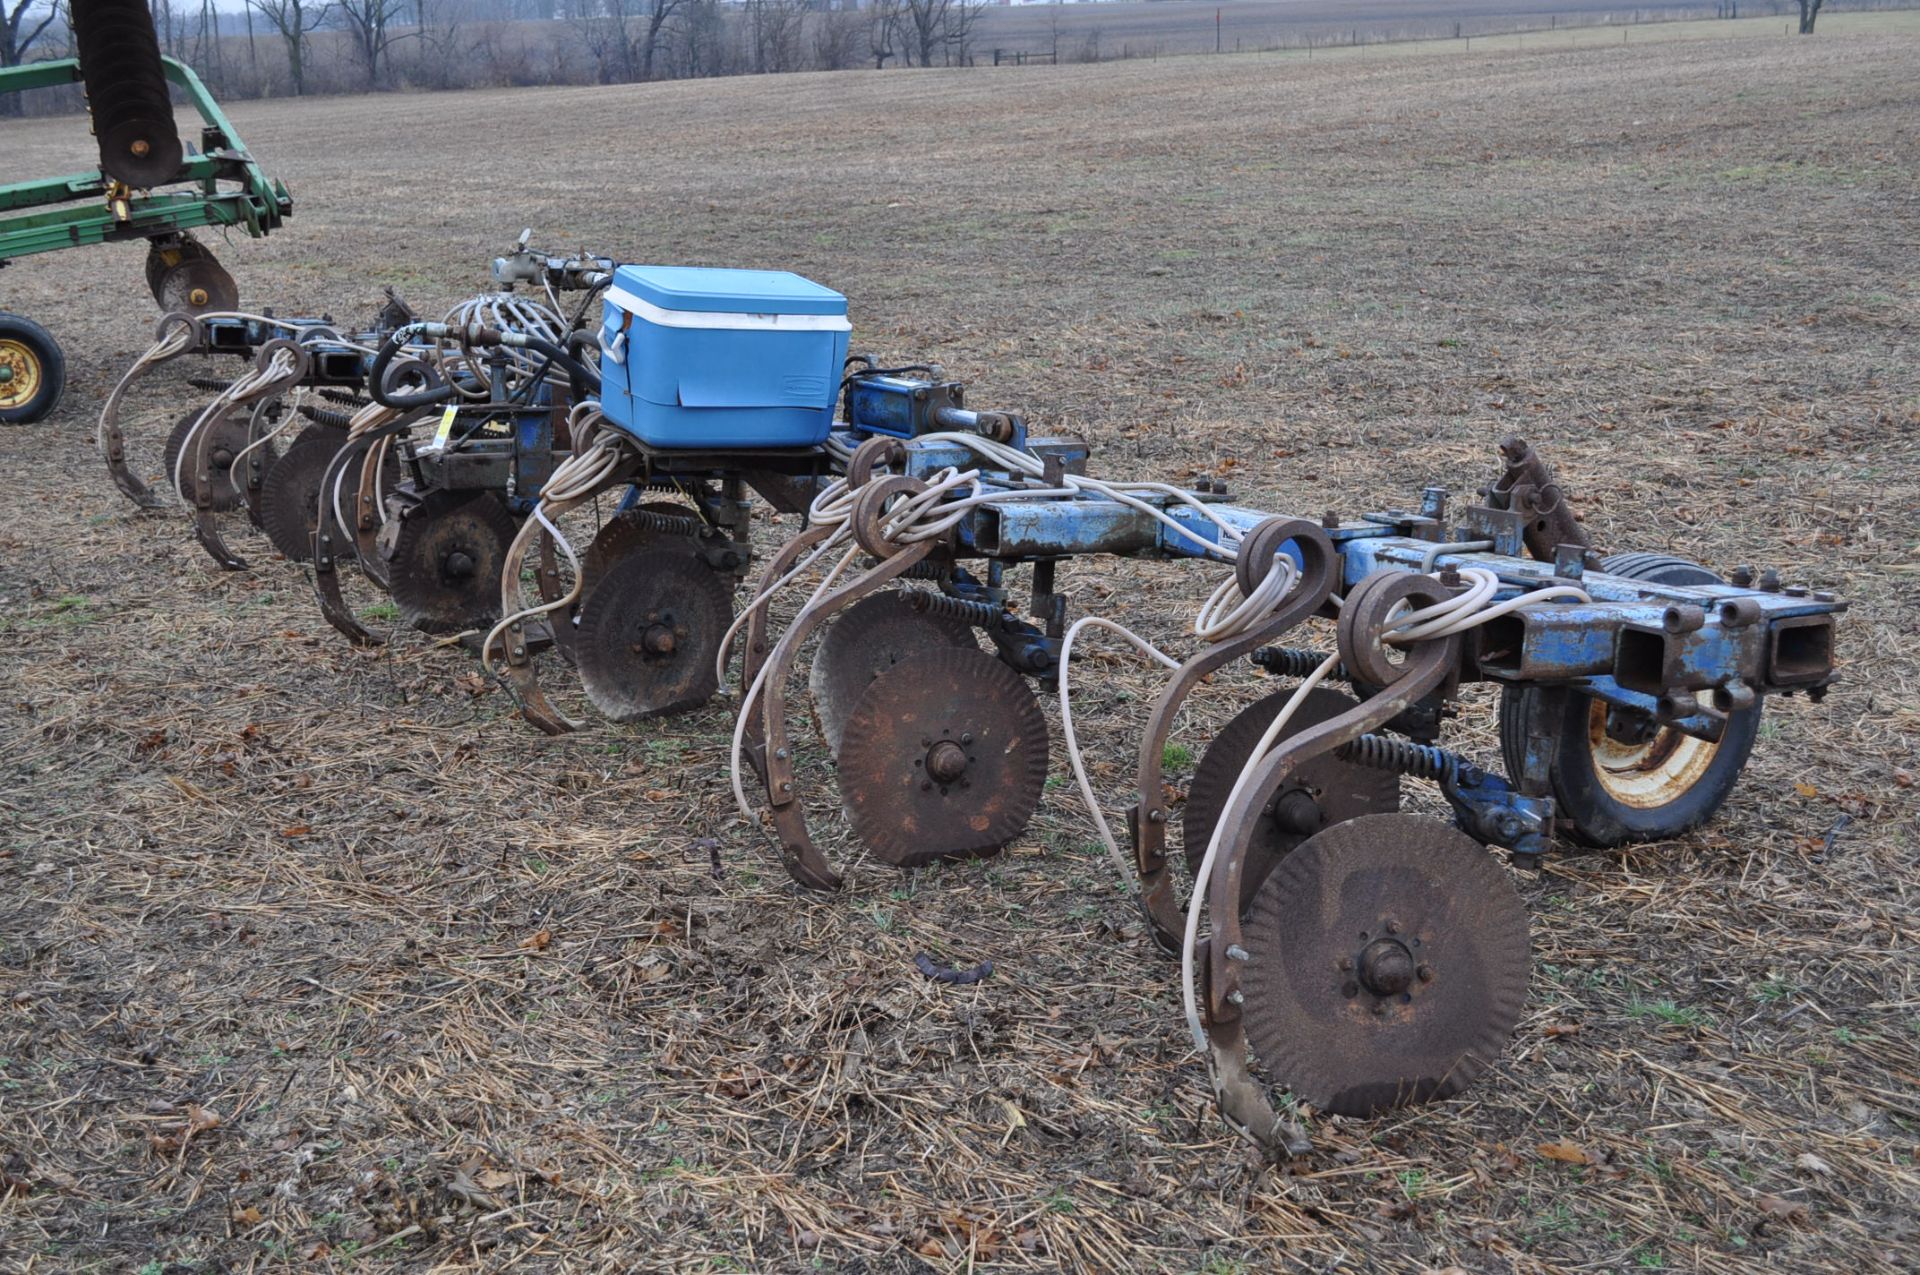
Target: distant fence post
x=996 y=57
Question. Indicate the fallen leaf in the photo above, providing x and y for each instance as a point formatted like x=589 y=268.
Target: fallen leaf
x=1812 y=1163
x=200 y=1119
x=296 y=830
x=248 y=1216
x=493 y=1179
x=1806 y=789
x=1554 y=1031
x=537 y=941
x=1783 y=1210
x=1565 y=1152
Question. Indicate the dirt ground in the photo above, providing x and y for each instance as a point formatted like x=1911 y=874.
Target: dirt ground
x=312 y=957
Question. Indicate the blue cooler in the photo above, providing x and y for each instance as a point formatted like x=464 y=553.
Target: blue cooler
x=698 y=358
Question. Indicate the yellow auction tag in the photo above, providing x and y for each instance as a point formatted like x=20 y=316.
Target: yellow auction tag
x=441 y=435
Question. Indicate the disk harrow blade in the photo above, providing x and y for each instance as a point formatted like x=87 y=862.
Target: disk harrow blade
x=864 y=641
x=185 y=279
x=127 y=95
x=443 y=559
x=649 y=633
x=1321 y=792
x=227 y=438
x=1387 y=965
x=943 y=757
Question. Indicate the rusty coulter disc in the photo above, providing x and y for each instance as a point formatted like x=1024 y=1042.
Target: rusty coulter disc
x=864 y=641
x=943 y=757
x=1387 y=965
x=1320 y=793
x=649 y=631
x=444 y=561
x=229 y=440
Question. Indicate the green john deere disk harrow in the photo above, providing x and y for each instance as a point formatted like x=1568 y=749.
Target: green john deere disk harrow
x=150 y=185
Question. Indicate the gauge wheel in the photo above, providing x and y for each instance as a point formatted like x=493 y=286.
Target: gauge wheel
x=33 y=371
x=1618 y=776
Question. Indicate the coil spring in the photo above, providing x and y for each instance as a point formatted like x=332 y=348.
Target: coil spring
x=1293 y=661
x=346 y=398
x=667 y=524
x=927 y=571
x=212 y=384
x=982 y=615
x=1419 y=761
x=324 y=416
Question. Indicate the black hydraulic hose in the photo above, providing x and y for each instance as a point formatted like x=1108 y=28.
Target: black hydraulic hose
x=585 y=379
x=377 y=377
x=583 y=386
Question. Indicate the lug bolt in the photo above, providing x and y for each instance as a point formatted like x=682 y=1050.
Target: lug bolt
x=1345 y=963
x=1237 y=997
x=1426 y=973
x=1235 y=952
x=1393 y=927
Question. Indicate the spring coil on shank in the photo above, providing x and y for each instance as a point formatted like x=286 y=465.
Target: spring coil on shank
x=1418 y=761
x=326 y=416
x=1294 y=661
x=982 y=615
x=667 y=524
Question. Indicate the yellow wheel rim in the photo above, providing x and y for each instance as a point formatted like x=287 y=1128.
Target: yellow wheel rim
x=1650 y=774
x=19 y=373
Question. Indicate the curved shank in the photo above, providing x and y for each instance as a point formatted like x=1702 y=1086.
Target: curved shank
x=1149 y=819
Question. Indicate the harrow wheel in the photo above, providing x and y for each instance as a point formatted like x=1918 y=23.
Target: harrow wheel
x=443 y=558
x=944 y=757
x=33 y=371
x=230 y=437
x=1619 y=776
x=1387 y=965
x=1320 y=793
x=864 y=641
x=648 y=634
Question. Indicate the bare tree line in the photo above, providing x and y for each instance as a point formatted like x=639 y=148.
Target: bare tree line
x=275 y=48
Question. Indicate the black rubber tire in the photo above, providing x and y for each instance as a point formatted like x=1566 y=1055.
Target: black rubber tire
x=1596 y=817
x=44 y=350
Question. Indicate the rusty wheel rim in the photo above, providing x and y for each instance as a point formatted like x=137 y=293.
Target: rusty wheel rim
x=1646 y=774
x=444 y=561
x=22 y=374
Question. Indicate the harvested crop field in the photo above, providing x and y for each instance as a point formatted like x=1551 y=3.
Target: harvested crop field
x=318 y=958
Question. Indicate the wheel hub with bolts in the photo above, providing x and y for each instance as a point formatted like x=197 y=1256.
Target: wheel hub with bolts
x=947 y=761
x=659 y=637
x=19 y=374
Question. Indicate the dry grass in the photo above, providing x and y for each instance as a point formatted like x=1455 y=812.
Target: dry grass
x=463 y=998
